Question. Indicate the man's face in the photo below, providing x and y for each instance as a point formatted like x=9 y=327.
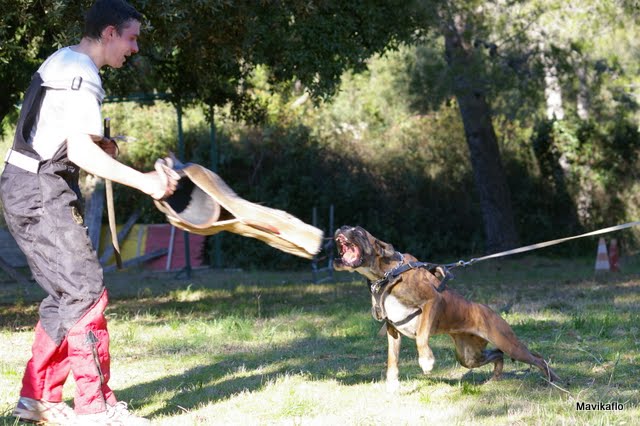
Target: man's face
x=119 y=46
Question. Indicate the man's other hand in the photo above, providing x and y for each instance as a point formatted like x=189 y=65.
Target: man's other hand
x=109 y=146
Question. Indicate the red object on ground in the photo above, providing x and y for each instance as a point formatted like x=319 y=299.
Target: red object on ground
x=614 y=255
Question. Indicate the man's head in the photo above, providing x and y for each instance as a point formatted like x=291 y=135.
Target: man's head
x=116 y=25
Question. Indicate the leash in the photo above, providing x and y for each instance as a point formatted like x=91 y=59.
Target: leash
x=541 y=245
x=380 y=288
x=380 y=285
x=110 y=207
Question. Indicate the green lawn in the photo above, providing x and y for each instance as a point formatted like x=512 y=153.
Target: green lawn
x=251 y=348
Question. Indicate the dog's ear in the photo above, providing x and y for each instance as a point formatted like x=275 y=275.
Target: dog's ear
x=383 y=249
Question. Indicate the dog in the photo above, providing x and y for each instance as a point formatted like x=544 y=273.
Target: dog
x=414 y=302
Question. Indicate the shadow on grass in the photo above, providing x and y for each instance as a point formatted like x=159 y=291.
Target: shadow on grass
x=585 y=339
x=262 y=302
x=261 y=294
x=348 y=361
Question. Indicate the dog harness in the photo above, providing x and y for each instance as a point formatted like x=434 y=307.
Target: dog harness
x=381 y=288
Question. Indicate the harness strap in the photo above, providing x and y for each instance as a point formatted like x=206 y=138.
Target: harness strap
x=77 y=83
x=401 y=269
x=22 y=161
x=447 y=277
x=380 y=288
x=410 y=265
x=407 y=319
x=379 y=292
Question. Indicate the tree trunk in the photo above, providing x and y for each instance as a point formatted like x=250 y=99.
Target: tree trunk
x=489 y=176
x=582 y=102
x=552 y=89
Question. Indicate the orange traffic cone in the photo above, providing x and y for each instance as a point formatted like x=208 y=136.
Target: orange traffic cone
x=602 y=259
x=614 y=255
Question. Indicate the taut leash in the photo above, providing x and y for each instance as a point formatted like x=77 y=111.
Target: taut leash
x=541 y=245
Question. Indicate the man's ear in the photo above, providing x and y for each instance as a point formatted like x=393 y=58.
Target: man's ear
x=108 y=32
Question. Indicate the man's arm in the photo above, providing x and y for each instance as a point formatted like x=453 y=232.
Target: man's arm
x=87 y=155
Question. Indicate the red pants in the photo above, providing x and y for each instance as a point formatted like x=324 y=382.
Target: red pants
x=85 y=352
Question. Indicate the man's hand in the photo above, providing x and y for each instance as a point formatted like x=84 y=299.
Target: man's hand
x=165 y=179
x=109 y=146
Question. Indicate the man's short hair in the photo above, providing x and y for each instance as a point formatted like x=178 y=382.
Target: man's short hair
x=108 y=12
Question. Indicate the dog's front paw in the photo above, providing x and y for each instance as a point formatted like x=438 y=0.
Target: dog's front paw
x=426 y=364
x=393 y=385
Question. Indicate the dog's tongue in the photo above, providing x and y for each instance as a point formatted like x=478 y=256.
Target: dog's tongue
x=351 y=254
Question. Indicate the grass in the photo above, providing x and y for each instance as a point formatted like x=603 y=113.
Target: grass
x=262 y=348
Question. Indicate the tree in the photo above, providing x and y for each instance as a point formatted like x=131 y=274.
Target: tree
x=457 y=25
x=204 y=51
x=209 y=49
x=316 y=42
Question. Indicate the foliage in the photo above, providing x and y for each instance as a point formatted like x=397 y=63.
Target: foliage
x=177 y=54
x=206 y=50
x=29 y=32
x=388 y=150
x=404 y=176
x=594 y=158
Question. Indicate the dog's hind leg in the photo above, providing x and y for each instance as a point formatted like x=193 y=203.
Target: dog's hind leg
x=471 y=352
x=500 y=333
x=496 y=356
x=522 y=354
x=544 y=367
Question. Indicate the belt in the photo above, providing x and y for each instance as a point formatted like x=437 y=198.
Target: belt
x=22 y=161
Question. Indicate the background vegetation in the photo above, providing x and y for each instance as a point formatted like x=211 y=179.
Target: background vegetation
x=450 y=128
x=384 y=133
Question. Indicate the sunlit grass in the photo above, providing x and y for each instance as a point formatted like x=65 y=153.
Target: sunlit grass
x=266 y=348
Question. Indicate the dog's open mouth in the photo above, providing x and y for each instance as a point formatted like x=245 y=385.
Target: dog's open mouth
x=350 y=253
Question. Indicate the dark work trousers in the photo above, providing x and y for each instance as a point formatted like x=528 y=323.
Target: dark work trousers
x=44 y=214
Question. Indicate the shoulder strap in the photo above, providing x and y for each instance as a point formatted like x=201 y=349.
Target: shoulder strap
x=28 y=114
x=77 y=83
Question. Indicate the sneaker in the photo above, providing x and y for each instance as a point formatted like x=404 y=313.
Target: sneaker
x=51 y=413
x=116 y=415
x=120 y=412
x=95 y=419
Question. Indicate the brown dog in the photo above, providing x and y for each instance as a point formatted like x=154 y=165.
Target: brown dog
x=407 y=295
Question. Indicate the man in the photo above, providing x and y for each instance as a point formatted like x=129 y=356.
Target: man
x=60 y=132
